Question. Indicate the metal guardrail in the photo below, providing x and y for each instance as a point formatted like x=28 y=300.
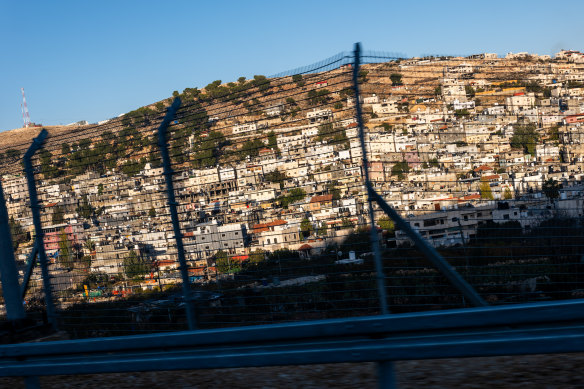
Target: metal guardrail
x=485 y=331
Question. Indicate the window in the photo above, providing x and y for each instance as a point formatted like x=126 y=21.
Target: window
x=275 y=240
x=268 y=241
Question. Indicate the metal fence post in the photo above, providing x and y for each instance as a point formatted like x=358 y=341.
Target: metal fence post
x=385 y=372
x=168 y=172
x=36 y=218
x=8 y=272
x=374 y=237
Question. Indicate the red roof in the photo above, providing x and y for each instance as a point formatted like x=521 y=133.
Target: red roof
x=519 y=94
x=352 y=125
x=322 y=198
x=493 y=177
x=475 y=196
x=305 y=247
x=483 y=168
x=265 y=150
x=262 y=227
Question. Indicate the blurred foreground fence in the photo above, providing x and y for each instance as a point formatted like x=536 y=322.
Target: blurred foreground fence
x=273 y=212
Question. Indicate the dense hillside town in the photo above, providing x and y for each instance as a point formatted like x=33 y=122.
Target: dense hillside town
x=274 y=165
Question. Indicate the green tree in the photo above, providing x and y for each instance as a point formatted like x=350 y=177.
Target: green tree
x=551 y=189
x=525 y=137
x=485 y=191
x=385 y=223
x=306 y=227
x=470 y=92
x=134 y=266
x=272 y=140
x=58 y=216
x=89 y=245
x=396 y=79
x=17 y=232
x=100 y=189
x=400 y=169
x=84 y=209
x=294 y=195
x=507 y=195
x=257 y=256
x=65 y=253
x=152 y=212
x=277 y=177
x=65 y=148
x=297 y=78
x=222 y=261
x=323 y=229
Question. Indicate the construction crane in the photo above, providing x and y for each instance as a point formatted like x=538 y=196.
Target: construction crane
x=25 y=115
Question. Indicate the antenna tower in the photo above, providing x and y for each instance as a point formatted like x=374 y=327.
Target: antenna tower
x=25 y=115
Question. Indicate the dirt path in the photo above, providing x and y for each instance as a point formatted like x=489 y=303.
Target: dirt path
x=562 y=371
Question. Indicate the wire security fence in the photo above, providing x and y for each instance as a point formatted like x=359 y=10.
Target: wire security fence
x=480 y=155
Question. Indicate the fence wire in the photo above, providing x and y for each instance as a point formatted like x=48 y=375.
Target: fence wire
x=482 y=155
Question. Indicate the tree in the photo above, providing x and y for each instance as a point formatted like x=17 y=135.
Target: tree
x=485 y=190
x=346 y=223
x=525 y=137
x=222 y=261
x=396 y=79
x=58 y=216
x=100 y=189
x=84 y=209
x=134 y=266
x=89 y=245
x=297 y=78
x=470 y=92
x=17 y=232
x=400 y=169
x=294 y=195
x=323 y=229
x=507 y=195
x=257 y=256
x=277 y=177
x=385 y=223
x=551 y=189
x=65 y=148
x=152 y=212
x=306 y=227
x=272 y=140
x=65 y=254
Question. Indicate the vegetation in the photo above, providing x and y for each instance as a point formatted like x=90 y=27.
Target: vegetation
x=396 y=79
x=485 y=191
x=551 y=189
x=525 y=137
x=134 y=266
x=19 y=236
x=294 y=195
x=400 y=169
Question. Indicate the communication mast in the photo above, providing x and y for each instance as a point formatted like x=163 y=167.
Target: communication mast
x=25 y=115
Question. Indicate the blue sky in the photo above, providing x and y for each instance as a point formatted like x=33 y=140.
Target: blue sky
x=80 y=60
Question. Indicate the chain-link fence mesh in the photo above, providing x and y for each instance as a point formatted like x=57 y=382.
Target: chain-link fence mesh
x=481 y=155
